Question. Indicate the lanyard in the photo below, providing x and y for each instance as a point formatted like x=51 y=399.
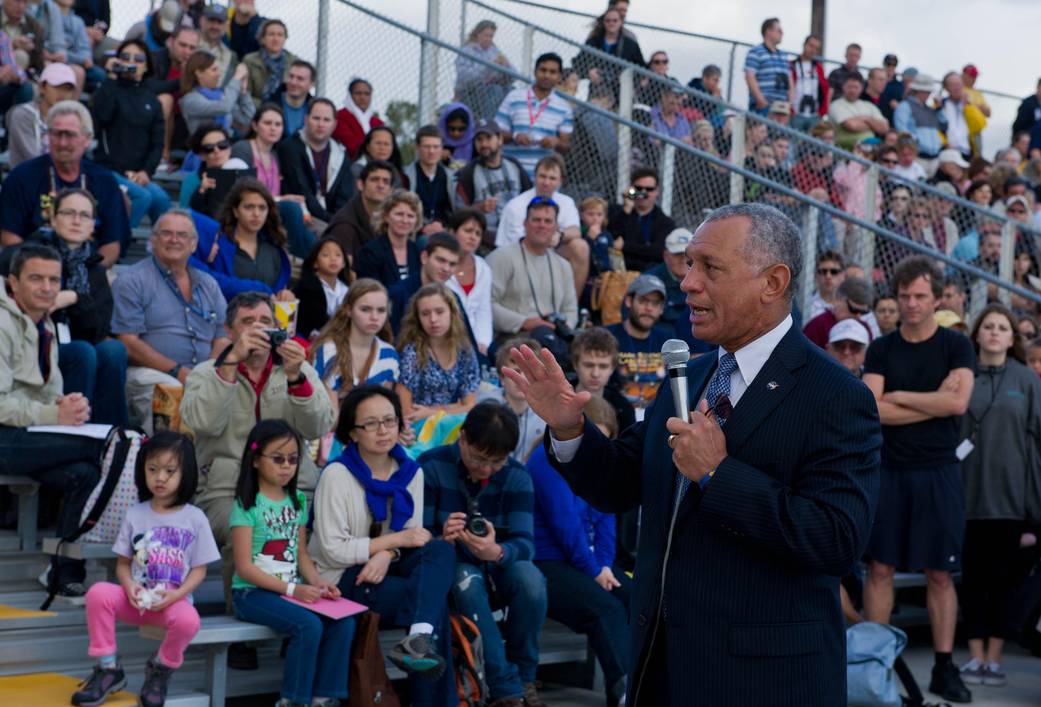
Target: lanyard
x=531 y=285
x=210 y=317
x=993 y=398
x=47 y=200
x=532 y=116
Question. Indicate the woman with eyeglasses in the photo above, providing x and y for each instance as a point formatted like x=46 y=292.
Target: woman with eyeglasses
x=204 y=100
x=476 y=85
x=370 y=541
x=204 y=190
x=129 y=125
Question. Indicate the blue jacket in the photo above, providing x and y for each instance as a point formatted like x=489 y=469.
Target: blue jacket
x=566 y=527
x=222 y=269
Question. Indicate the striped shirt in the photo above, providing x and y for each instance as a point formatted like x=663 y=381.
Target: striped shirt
x=521 y=112
x=384 y=368
x=771 y=73
x=507 y=501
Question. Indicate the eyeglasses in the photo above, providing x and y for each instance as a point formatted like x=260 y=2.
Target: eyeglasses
x=856 y=309
x=282 y=459
x=73 y=213
x=214 y=146
x=645 y=187
x=829 y=271
x=390 y=423
x=890 y=163
x=137 y=58
x=659 y=61
x=63 y=134
x=480 y=460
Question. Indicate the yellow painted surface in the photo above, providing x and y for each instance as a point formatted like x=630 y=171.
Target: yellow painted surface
x=10 y=612
x=50 y=690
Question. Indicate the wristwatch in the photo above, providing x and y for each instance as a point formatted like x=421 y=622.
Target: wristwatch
x=175 y=371
x=301 y=378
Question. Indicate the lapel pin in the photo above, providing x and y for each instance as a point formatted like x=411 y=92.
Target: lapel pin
x=772 y=385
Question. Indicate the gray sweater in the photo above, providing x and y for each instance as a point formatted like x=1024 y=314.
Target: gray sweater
x=520 y=278
x=1002 y=474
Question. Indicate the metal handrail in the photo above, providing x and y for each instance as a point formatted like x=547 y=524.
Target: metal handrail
x=713 y=159
x=716 y=38
x=792 y=133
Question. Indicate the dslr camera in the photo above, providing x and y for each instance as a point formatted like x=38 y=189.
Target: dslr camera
x=475 y=522
x=563 y=329
x=636 y=194
x=119 y=69
x=277 y=337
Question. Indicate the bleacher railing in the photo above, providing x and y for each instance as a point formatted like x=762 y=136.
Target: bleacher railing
x=606 y=144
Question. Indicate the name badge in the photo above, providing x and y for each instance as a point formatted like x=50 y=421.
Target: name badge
x=964 y=449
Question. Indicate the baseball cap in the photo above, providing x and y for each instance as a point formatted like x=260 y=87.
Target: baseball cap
x=487 y=127
x=781 y=107
x=1017 y=199
x=909 y=73
x=169 y=15
x=215 y=12
x=952 y=157
x=676 y=242
x=57 y=74
x=645 y=285
x=849 y=330
x=971 y=70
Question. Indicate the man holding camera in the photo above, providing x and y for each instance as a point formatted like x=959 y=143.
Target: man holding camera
x=639 y=225
x=261 y=375
x=480 y=500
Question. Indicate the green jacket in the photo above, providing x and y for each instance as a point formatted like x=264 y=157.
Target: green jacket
x=258 y=73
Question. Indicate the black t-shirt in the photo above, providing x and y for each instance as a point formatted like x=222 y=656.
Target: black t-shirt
x=921 y=368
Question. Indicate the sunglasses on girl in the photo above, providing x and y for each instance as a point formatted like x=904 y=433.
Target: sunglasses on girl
x=282 y=459
x=214 y=146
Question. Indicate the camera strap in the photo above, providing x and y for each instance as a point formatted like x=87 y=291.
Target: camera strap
x=531 y=285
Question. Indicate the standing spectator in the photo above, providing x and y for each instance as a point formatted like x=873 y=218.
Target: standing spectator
x=26 y=34
x=893 y=93
x=926 y=125
x=244 y=28
x=476 y=85
x=356 y=118
x=811 y=91
x=534 y=121
x=295 y=97
x=203 y=99
x=575 y=550
x=439 y=370
x=922 y=377
x=964 y=120
x=393 y=255
x=167 y=313
x=1003 y=421
x=471 y=280
x=648 y=90
x=874 y=88
x=352 y=226
x=315 y=166
x=847 y=343
x=212 y=25
x=852 y=301
x=169 y=65
x=28 y=189
x=31 y=394
x=887 y=314
x=640 y=367
x=477 y=474
x=130 y=129
x=490 y=180
x=607 y=36
x=766 y=70
x=26 y=122
x=430 y=180
x=1028 y=114
x=321 y=288
x=855 y=118
x=837 y=77
x=639 y=225
x=268 y=67
x=831 y=271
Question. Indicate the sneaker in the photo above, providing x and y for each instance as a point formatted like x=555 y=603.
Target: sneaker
x=72 y=590
x=102 y=683
x=157 y=678
x=242 y=657
x=531 y=695
x=414 y=654
x=994 y=676
x=972 y=672
x=947 y=683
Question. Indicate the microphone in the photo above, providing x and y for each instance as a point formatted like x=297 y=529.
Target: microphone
x=675 y=354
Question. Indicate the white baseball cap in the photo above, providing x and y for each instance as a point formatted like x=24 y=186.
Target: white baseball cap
x=676 y=242
x=849 y=330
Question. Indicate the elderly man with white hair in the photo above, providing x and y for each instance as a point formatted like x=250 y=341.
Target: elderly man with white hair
x=28 y=191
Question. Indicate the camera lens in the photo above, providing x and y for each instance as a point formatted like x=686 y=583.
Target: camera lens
x=478 y=526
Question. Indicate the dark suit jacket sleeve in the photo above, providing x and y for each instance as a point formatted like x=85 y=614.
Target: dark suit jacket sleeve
x=602 y=471
x=821 y=522
x=292 y=161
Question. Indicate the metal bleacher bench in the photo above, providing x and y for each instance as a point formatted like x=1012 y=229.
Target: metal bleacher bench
x=28 y=494
x=79 y=550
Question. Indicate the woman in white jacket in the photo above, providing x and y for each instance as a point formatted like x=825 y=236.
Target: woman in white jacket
x=472 y=280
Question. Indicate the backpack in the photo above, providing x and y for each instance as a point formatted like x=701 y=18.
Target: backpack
x=468 y=662
x=107 y=504
x=367 y=673
x=871 y=651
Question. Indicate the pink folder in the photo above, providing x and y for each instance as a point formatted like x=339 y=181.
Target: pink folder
x=333 y=608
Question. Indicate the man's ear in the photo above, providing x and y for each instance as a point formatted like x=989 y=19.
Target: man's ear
x=778 y=277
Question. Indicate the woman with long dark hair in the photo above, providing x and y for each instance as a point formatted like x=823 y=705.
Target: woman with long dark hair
x=381 y=143
x=608 y=35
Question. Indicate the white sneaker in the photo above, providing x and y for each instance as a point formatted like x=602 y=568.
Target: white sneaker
x=972 y=672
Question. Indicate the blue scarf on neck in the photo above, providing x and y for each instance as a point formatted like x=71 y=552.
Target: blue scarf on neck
x=377 y=492
x=215 y=94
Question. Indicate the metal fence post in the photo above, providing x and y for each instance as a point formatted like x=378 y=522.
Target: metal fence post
x=462 y=23
x=527 y=50
x=428 y=66
x=730 y=73
x=322 y=50
x=625 y=137
x=1007 y=260
x=668 y=176
x=867 y=245
x=737 y=158
x=809 y=256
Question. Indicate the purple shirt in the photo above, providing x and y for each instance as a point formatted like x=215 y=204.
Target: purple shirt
x=165 y=547
x=680 y=127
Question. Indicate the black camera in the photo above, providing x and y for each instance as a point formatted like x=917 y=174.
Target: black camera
x=636 y=194
x=475 y=522
x=561 y=327
x=277 y=337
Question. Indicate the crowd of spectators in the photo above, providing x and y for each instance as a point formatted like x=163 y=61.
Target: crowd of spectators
x=407 y=285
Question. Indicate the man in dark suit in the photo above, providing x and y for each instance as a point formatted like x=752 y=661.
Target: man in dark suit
x=764 y=500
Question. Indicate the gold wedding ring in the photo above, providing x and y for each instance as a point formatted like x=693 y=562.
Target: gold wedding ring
x=672 y=441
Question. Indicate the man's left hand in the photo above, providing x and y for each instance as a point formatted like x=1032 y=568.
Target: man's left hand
x=699 y=446
x=293 y=356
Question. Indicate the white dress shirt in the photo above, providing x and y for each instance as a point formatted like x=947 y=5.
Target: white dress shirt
x=750 y=360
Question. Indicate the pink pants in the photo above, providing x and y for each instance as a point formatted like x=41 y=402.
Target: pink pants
x=107 y=602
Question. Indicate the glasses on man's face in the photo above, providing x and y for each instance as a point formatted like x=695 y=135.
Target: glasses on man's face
x=848 y=347
x=74 y=214
x=828 y=271
x=646 y=187
x=479 y=460
x=390 y=422
x=890 y=162
x=659 y=61
x=136 y=58
x=283 y=459
x=212 y=147
x=63 y=135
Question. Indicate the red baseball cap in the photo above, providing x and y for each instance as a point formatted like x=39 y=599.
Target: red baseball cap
x=971 y=70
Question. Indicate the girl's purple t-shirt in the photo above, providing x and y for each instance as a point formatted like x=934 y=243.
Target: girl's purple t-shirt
x=165 y=547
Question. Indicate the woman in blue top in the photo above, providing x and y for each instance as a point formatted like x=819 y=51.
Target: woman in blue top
x=575 y=550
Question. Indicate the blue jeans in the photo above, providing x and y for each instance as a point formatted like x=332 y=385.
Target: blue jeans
x=99 y=371
x=301 y=240
x=415 y=590
x=66 y=463
x=521 y=587
x=151 y=199
x=319 y=647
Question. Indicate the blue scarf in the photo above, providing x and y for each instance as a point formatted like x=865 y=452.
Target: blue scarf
x=215 y=94
x=377 y=492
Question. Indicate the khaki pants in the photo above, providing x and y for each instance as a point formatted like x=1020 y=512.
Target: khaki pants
x=218 y=512
x=141 y=384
